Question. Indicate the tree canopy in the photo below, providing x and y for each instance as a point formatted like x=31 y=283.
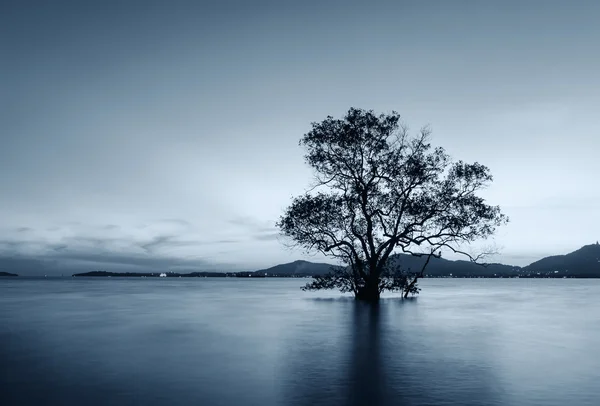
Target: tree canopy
x=378 y=191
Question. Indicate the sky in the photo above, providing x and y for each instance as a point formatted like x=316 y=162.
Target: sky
x=164 y=134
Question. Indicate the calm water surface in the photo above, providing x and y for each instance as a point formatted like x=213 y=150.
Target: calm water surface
x=80 y=341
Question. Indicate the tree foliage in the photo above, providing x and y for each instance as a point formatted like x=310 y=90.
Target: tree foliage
x=379 y=191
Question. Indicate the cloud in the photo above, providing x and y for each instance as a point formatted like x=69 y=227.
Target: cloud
x=227 y=241
x=157 y=242
x=252 y=224
x=163 y=244
x=258 y=230
x=269 y=236
x=127 y=259
x=25 y=266
x=178 y=222
x=84 y=253
x=71 y=262
x=115 y=143
x=168 y=242
x=59 y=247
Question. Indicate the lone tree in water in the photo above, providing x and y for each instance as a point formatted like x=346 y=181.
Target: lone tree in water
x=379 y=191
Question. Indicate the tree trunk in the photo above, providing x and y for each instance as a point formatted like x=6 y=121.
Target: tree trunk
x=410 y=286
x=369 y=292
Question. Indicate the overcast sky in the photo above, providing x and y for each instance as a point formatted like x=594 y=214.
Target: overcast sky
x=147 y=132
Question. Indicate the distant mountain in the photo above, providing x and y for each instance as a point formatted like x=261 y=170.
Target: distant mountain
x=443 y=267
x=8 y=274
x=583 y=263
x=436 y=267
x=168 y=274
x=297 y=268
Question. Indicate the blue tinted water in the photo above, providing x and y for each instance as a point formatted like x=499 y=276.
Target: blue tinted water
x=86 y=341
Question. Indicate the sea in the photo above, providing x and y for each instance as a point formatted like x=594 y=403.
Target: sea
x=263 y=341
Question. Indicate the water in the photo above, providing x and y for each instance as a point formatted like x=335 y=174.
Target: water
x=264 y=342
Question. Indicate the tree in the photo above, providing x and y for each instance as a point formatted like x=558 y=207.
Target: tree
x=379 y=191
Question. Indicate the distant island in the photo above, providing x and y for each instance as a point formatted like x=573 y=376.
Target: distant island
x=173 y=274
x=8 y=274
x=583 y=263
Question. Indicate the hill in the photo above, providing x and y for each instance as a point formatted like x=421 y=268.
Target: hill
x=583 y=263
x=438 y=267
x=297 y=268
x=8 y=274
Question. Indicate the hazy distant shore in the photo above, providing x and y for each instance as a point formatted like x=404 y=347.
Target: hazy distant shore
x=255 y=275
x=582 y=263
